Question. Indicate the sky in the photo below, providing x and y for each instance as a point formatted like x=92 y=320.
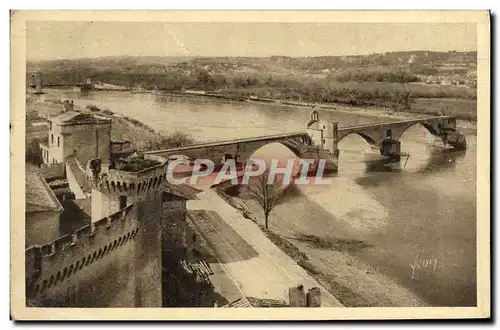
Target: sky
x=65 y=40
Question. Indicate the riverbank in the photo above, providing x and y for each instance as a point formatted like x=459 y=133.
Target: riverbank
x=421 y=111
x=351 y=280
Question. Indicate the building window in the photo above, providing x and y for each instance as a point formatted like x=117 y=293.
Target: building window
x=123 y=202
x=58 y=141
x=52 y=137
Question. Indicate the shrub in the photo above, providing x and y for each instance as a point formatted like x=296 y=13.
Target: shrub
x=92 y=108
x=107 y=112
x=174 y=140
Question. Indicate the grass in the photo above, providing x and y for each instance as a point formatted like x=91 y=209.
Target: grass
x=291 y=250
x=428 y=100
x=135 y=164
x=337 y=244
x=462 y=109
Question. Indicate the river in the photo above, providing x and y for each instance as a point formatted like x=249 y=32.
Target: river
x=424 y=212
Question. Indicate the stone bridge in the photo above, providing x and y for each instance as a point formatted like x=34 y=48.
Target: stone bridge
x=442 y=127
x=241 y=150
x=320 y=140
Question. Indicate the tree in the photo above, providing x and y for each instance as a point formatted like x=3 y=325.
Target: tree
x=268 y=195
x=204 y=78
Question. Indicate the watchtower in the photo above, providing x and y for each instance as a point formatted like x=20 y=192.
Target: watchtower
x=75 y=133
x=323 y=134
x=136 y=180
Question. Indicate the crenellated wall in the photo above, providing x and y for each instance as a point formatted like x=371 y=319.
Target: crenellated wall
x=124 y=182
x=112 y=188
x=75 y=270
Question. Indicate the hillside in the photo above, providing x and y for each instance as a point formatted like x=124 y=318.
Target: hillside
x=343 y=68
x=393 y=80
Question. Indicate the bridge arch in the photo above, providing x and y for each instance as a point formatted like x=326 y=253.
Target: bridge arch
x=243 y=159
x=435 y=131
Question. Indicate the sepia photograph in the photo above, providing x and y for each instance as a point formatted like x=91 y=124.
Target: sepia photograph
x=199 y=165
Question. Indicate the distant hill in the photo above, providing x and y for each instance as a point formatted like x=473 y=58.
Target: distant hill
x=156 y=70
x=304 y=63
x=414 y=81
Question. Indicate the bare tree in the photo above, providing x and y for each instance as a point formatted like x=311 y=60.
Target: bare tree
x=268 y=195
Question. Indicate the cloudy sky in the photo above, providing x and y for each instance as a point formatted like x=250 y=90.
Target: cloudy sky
x=57 y=40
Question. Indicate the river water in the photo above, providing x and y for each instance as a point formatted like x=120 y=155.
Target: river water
x=423 y=214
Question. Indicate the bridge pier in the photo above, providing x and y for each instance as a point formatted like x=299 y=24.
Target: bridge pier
x=329 y=165
x=455 y=139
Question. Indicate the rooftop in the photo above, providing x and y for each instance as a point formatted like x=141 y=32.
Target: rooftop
x=73 y=117
x=39 y=196
x=256 y=302
x=134 y=163
x=77 y=214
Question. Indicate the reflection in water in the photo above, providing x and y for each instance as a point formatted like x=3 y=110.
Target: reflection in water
x=442 y=160
x=438 y=160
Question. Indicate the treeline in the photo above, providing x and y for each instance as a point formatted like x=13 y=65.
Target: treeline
x=377 y=75
x=395 y=99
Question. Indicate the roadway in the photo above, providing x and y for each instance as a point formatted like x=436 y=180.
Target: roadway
x=257 y=266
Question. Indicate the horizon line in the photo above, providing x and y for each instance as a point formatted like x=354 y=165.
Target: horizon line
x=247 y=56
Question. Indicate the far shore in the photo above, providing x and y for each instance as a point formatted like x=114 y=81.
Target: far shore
x=334 y=107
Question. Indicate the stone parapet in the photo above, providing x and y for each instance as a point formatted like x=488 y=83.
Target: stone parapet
x=128 y=179
x=50 y=264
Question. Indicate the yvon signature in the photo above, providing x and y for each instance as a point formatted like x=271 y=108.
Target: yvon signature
x=418 y=263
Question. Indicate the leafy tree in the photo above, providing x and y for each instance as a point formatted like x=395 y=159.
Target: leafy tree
x=268 y=195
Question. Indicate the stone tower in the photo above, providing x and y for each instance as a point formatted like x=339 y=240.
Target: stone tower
x=324 y=137
x=139 y=181
x=82 y=135
x=323 y=134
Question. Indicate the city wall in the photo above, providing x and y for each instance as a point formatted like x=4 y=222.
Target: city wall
x=75 y=270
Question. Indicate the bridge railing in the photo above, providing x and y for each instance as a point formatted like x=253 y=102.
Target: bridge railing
x=225 y=142
x=394 y=122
